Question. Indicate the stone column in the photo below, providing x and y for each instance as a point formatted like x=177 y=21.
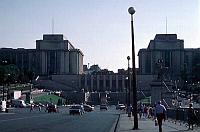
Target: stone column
x=110 y=78
x=98 y=83
x=85 y=83
x=92 y=88
x=104 y=83
x=117 y=85
x=123 y=83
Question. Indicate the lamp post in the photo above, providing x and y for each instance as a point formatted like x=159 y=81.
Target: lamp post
x=129 y=87
x=131 y=11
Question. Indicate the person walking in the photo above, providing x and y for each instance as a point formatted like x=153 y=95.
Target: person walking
x=150 y=112
x=160 y=111
x=39 y=108
x=191 y=117
x=31 y=108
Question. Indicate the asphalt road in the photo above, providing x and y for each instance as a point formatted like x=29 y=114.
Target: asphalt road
x=22 y=120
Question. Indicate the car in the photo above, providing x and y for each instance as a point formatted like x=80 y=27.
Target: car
x=88 y=108
x=103 y=106
x=18 y=103
x=76 y=109
x=52 y=108
x=120 y=107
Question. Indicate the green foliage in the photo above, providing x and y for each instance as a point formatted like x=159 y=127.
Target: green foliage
x=26 y=76
x=8 y=73
x=48 y=99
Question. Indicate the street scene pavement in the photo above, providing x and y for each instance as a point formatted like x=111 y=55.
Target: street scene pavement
x=111 y=120
x=125 y=124
x=22 y=120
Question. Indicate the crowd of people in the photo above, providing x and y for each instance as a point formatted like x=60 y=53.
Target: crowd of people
x=158 y=114
x=146 y=111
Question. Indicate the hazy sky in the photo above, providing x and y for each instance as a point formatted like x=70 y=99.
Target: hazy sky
x=100 y=28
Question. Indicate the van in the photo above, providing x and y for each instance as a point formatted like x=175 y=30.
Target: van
x=3 y=106
x=18 y=103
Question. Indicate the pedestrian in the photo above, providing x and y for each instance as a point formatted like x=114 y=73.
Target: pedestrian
x=39 y=107
x=140 y=112
x=160 y=112
x=31 y=107
x=47 y=108
x=145 y=111
x=191 y=117
x=129 y=110
x=150 y=111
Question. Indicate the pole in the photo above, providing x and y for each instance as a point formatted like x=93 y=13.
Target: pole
x=126 y=92
x=3 y=92
x=131 y=11
x=190 y=94
x=31 y=85
x=129 y=88
x=134 y=78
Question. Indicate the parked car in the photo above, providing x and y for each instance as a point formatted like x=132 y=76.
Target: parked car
x=76 y=109
x=52 y=108
x=88 y=108
x=18 y=103
x=120 y=107
x=103 y=106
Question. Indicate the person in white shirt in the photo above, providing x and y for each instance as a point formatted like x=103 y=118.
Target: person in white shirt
x=160 y=111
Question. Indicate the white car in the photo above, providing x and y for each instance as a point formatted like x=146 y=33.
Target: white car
x=88 y=108
x=120 y=107
x=76 y=109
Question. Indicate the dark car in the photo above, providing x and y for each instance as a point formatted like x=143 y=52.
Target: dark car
x=76 y=109
x=52 y=108
x=103 y=107
x=88 y=108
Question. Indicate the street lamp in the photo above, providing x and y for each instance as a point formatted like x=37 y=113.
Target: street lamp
x=129 y=87
x=131 y=11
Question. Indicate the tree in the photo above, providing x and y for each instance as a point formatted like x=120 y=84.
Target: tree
x=8 y=73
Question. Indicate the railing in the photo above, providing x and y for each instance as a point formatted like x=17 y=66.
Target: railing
x=181 y=115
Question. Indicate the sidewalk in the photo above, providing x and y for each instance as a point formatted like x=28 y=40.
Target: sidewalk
x=125 y=124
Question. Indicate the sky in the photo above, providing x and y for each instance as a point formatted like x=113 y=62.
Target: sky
x=100 y=28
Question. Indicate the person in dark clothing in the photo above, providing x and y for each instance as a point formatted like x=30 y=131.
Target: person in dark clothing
x=160 y=111
x=191 y=117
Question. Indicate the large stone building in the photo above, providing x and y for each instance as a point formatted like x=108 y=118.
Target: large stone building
x=165 y=61
x=168 y=52
x=58 y=56
x=53 y=55
x=165 y=49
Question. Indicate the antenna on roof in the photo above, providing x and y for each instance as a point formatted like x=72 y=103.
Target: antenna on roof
x=166 y=25
x=52 y=26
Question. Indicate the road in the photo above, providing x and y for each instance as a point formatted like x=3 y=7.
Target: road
x=22 y=120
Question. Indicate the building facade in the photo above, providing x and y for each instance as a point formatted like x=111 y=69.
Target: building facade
x=166 y=51
x=53 y=55
x=166 y=60
x=58 y=56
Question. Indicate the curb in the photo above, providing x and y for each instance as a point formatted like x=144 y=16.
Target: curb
x=115 y=125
